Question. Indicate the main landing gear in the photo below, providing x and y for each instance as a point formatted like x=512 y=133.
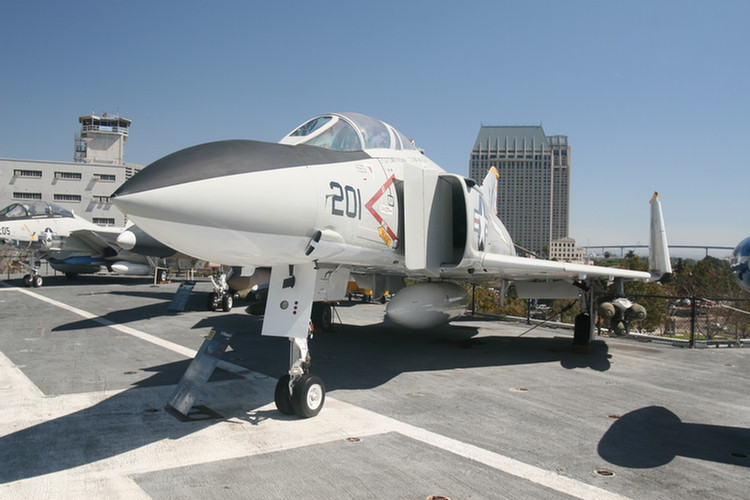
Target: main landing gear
x=221 y=297
x=583 y=330
x=32 y=279
x=299 y=392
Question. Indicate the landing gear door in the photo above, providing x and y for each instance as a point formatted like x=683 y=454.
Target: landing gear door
x=419 y=191
x=290 y=298
x=435 y=225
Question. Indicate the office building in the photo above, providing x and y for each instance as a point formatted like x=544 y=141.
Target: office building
x=82 y=186
x=565 y=250
x=534 y=183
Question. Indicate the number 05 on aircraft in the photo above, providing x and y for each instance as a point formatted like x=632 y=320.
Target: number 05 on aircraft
x=346 y=196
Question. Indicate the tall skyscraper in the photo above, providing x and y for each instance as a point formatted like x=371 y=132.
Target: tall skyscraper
x=534 y=184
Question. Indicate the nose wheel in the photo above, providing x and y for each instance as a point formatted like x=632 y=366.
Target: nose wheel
x=306 y=399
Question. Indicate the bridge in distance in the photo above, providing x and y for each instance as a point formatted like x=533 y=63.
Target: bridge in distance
x=622 y=248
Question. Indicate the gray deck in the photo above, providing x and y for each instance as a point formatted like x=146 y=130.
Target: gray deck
x=475 y=410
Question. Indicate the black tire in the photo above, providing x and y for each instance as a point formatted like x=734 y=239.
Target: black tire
x=322 y=316
x=282 y=397
x=308 y=396
x=226 y=302
x=27 y=280
x=37 y=281
x=582 y=330
x=212 y=304
x=162 y=276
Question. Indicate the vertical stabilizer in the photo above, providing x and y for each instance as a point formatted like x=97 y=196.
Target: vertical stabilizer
x=489 y=189
x=658 y=250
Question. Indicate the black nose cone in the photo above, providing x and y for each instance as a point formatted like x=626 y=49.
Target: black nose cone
x=219 y=159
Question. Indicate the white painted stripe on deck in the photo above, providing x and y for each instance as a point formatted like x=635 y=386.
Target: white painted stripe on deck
x=508 y=465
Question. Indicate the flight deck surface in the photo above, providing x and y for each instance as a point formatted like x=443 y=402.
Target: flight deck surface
x=475 y=410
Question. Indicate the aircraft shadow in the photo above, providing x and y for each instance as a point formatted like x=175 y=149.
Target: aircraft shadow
x=654 y=436
x=114 y=426
x=366 y=357
x=363 y=357
x=196 y=302
x=121 y=316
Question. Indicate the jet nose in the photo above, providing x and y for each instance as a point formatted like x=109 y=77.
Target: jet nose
x=211 y=199
x=225 y=158
x=167 y=188
x=205 y=161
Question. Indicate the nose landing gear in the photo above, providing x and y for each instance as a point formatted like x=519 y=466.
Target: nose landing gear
x=299 y=392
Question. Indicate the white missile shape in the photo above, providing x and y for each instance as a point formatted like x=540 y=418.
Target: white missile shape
x=427 y=305
x=131 y=268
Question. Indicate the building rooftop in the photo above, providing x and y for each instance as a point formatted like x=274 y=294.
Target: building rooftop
x=511 y=137
x=524 y=137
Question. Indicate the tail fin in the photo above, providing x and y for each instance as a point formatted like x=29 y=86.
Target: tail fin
x=658 y=250
x=489 y=188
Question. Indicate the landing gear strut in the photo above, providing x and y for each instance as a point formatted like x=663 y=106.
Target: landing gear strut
x=221 y=297
x=298 y=391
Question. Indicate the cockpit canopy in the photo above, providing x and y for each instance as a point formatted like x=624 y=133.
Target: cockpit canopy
x=348 y=132
x=38 y=209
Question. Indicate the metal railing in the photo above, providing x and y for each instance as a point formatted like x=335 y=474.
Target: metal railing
x=695 y=321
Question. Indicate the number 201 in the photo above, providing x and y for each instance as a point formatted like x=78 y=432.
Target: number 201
x=346 y=201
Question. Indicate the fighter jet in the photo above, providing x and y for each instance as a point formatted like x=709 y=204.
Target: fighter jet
x=346 y=195
x=70 y=243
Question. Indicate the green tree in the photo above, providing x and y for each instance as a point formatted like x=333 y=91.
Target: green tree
x=709 y=277
x=487 y=300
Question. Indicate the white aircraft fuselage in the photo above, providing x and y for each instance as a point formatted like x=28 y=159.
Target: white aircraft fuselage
x=354 y=203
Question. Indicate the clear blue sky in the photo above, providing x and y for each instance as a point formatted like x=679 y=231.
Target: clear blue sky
x=652 y=95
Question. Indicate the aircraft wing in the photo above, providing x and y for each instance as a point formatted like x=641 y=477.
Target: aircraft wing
x=520 y=269
x=526 y=269
x=100 y=238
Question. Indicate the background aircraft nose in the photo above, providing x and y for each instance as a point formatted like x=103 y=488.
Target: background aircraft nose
x=739 y=262
x=126 y=240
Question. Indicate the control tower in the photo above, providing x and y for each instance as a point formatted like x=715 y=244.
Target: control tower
x=102 y=139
